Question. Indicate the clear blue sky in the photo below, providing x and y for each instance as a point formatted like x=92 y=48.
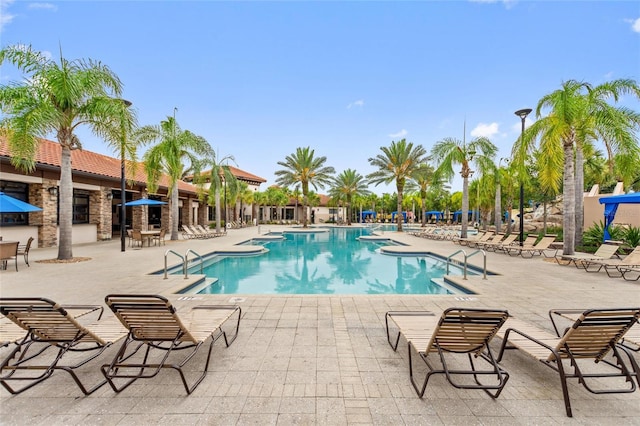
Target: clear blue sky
x=259 y=79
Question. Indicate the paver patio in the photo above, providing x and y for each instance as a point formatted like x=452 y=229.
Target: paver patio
x=315 y=359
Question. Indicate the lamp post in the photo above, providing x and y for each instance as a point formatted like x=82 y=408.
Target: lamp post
x=522 y=113
x=123 y=197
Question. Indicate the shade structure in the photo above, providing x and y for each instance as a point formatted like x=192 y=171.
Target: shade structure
x=8 y=204
x=611 y=206
x=144 y=202
x=366 y=214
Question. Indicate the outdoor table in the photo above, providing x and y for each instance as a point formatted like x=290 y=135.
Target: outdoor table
x=148 y=235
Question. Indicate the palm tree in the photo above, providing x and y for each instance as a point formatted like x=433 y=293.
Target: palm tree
x=424 y=178
x=579 y=113
x=174 y=145
x=303 y=168
x=397 y=163
x=450 y=151
x=58 y=98
x=220 y=175
x=346 y=186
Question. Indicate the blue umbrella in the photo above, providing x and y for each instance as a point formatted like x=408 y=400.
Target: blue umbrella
x=144 y=202
x=9 y=204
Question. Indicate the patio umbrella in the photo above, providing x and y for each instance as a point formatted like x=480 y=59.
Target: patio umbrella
x=9 y=204
x=144 y=202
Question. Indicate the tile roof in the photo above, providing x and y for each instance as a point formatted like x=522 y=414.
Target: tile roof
x=238 y=173
x=90 y=162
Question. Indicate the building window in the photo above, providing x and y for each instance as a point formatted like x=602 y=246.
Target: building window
x=21 y=192
x=80 y=206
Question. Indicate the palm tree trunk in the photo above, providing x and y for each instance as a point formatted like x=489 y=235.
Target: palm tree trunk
x=66 y=205
x=218 y=210
x=465 y=206
x=579 y=189
x=175 y=213
x=399 y=209
x=568 y=201
x=498 y=209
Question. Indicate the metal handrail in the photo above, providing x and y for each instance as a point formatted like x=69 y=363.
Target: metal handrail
x=186 y=261
x=484 y=255
x=184 y=266
x=466 y=257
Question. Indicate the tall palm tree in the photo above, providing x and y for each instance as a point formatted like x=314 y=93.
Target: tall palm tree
x=346 y=186
x=449 y=151
x=397 y=163
x=303 y=168
x=219 y=176
x=425 y=178
x=58 y=98
x=173 y=147
x=579 y=113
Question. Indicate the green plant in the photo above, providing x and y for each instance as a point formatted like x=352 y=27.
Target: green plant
x=632 y=236
x=594 y=236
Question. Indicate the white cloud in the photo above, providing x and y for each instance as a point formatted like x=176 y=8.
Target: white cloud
x=5 y=17
x=358 y=103
x=48 y=6
x=485 y=130
x=401 y=134
x=635 y=24
x=507 y=3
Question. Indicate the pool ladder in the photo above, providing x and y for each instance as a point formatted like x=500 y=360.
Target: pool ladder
x=185 y=262
x=466 y=257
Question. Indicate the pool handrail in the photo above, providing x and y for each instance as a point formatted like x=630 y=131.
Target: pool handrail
x=466 y=257
x=186 y=262
x=184 y=265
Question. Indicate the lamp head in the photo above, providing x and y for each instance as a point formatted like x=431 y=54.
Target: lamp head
x=522 y=113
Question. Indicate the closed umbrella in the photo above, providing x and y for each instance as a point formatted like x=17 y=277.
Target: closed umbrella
x=8 y=204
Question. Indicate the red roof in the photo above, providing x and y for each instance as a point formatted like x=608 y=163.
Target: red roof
x=49 y=153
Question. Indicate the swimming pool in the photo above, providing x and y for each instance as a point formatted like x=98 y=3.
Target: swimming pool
x=332 y=261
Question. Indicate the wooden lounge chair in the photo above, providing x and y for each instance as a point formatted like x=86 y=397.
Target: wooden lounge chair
x=536 y=250
x=592 y=337
x=458 y=331
x=580 y=259
x=50 y=332
x=612 y=266
x=156 y=328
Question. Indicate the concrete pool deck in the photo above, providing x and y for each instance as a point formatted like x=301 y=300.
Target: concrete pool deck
x=315 y=359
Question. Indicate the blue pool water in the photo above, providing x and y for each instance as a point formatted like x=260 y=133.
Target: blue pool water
x=333 y=262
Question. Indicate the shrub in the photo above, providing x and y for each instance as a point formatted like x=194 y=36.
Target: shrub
x=632 y=236
x=594 y=236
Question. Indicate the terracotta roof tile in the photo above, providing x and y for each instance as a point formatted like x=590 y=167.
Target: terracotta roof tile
x=90 y=162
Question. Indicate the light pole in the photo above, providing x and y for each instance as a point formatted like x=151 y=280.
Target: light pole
x=123 y=196
x=522 y=113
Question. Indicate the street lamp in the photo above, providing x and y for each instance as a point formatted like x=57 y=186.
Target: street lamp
x=522 y=113
x=123 y=197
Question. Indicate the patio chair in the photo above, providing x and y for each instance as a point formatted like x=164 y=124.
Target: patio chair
x=612 y=266
x=206 y=231
x=51 y=336
x=9 y=251
x=136 y=238
x=630 y=273
x=458 y=331
x=157 y=239
x=535 y=250
x=580 y=259
x=23 y=250
x=593 y=336
x=200 y=231
x=495 y=239
x=156 y=328
x=479 y=237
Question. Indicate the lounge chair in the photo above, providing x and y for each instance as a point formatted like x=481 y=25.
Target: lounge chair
x=50 y=332
x=154 y=324
x=612 y=266
x=458 y=331
x=23 y=250
x=200 y=233
x=473 y=238
x=205 y=231
x=495 y=239
x=535 y=250
x=630 y=273
x=188 y=234
x=499 y=245
x=591 y=337
x=580 y=259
